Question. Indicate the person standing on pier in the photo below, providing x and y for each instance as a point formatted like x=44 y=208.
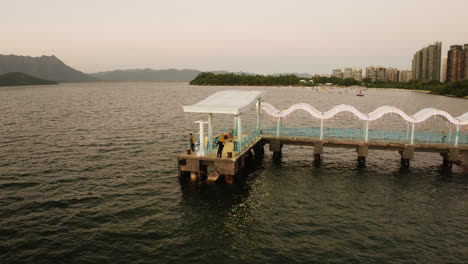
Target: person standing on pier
x=192 y=142
x=220 y=147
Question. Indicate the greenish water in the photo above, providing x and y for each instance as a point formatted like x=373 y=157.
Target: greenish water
x=88 y=174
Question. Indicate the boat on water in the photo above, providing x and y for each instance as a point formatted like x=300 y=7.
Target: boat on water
x=360 y=93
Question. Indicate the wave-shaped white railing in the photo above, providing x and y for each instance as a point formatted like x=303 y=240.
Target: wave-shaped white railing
x=418 y=117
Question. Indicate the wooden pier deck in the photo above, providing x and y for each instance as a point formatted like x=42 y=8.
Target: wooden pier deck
x=197 y=166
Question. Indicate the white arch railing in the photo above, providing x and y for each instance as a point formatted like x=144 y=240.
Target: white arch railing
x=418 y=117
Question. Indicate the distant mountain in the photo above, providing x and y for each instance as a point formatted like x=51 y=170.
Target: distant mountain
x=19 y=78
x=147 y=75
x=150 y=75
x=44 y=67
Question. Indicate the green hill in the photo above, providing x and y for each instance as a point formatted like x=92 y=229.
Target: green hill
x=19 y=79
x=45 y=67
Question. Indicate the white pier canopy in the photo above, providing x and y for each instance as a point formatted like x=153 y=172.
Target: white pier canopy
x=232 y=102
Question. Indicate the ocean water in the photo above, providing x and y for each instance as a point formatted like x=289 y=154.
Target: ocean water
x=88 y=174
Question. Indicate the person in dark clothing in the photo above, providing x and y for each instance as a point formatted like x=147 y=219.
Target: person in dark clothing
x=220 y=149
x=192 y=142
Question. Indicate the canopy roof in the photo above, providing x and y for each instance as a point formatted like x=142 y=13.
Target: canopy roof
x=225 y=102
x=374 y=115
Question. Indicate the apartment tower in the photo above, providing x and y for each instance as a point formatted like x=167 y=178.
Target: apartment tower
x=466 y=62
x=427 y=63
x=456 y=63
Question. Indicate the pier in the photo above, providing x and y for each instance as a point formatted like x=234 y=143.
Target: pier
x=246 y=143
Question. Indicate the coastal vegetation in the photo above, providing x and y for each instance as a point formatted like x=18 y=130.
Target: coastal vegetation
x=208 y=78
x=456 y=88
x=20 y=79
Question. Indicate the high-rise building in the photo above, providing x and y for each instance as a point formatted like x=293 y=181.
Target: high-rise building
x=357 y=74
x=348 y=73
x=455 y=63
x=376 y=73
x=444 y=70
x=405 y=76
x=426 y=62
x=338 y=73
x=392 y=74
x=466 y=62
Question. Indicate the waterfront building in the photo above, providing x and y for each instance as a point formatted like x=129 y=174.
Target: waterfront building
x=405 y=76
x=357 y=74
x=338 y=73
x=455 y=63
x=444 y=70
x=392 y=74
x=348 y=73
x=465 y=76
x=376 y=73
x=353 y=73
x=426 y=63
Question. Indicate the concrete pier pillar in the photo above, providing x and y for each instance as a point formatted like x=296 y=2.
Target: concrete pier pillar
x=277 y=157
x=318 y=150
x=449 y=158
x=203 y=174
x=317 y=160
x=362 y=151
x=276 y=146
x=229 y=179
x=405 y=163
x=361 y=161
x=447 y=164
x=258 y=151
x=406 y=154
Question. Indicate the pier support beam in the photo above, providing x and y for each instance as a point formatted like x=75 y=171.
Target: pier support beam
x=449 y=158
x=234 y=127
x=229 y=179
x=210 y=131
x=406 y=154
x=259 y=151
x=321 y=129
x=203 y=174
x=259 y=109
x=276 y=146
x=278 y=127
x=412 y=134
x=318 y=150
x=362 y=151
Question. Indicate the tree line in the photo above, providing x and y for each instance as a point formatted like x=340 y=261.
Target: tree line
x=456 y=88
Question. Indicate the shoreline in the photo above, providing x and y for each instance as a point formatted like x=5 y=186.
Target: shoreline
x=334 y=86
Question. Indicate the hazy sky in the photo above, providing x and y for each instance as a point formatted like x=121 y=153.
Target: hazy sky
x=255 y=36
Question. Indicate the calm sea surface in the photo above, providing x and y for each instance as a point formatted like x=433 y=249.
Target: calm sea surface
x=88 y=175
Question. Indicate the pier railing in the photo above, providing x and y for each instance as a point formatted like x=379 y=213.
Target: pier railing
x=247 y=140
x=373 y=135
